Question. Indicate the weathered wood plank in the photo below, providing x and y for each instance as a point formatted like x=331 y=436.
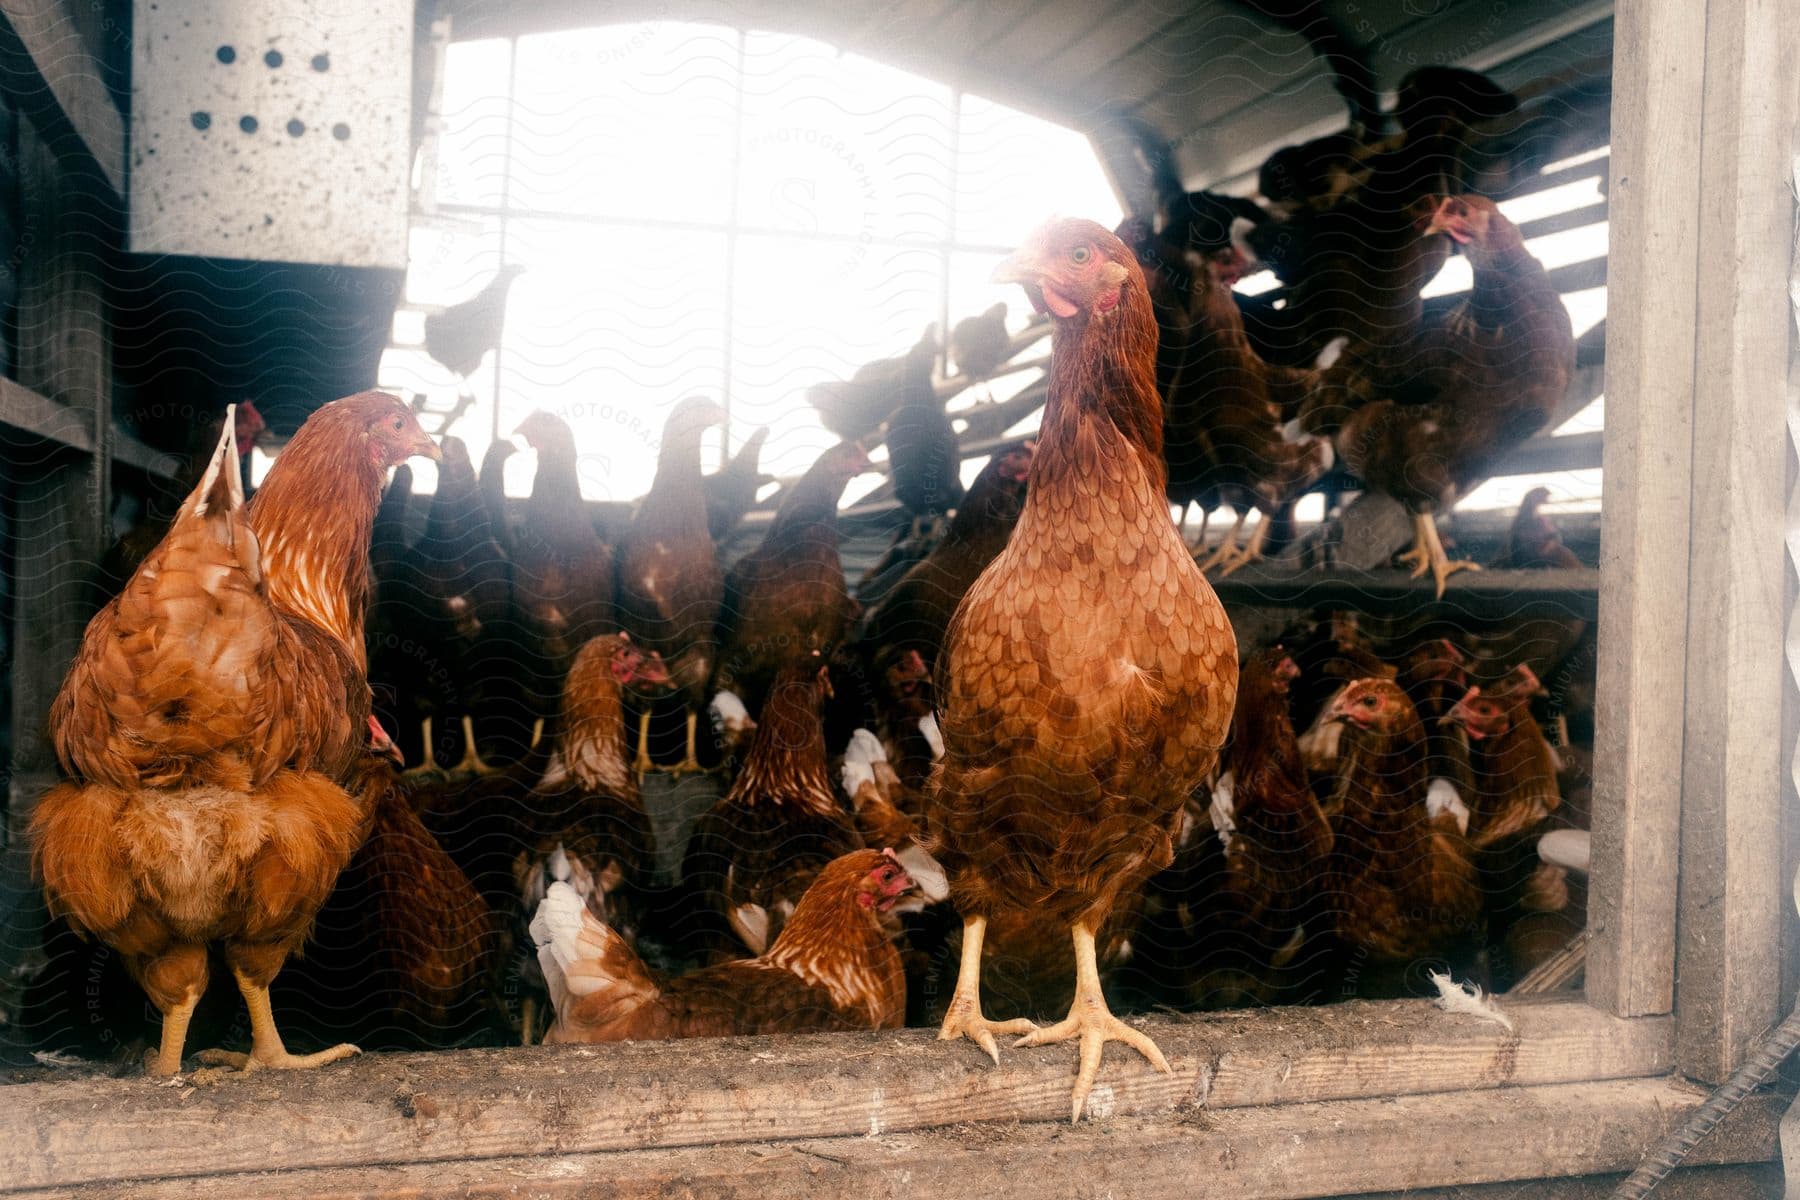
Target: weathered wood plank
x=64 y=358
x=49 y=68
x=1392 y=592
x=700 y=1093
x=1733 y=900
x=1280 y=1152
x=1654 y=201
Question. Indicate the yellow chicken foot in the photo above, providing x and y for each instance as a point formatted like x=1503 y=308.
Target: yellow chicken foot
x=643 y=765
x=528 y=1021
x=1092 y=1021
x=1427 y=554
x=1252 y=551
x=690 y=764
x=1227 y=547
x=429 y=763
x=266 y=1048
x=471 y=760
x=964 y=1017
x=537 y=732
x=167 y=1059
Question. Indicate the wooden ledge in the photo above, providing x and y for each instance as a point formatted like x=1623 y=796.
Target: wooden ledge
x=491 y=1104
x=1282 y=1152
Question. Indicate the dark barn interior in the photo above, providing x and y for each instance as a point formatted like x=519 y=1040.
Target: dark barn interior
x=381 y=394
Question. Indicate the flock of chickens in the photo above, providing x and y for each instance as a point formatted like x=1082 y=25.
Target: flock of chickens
x=1032 y=754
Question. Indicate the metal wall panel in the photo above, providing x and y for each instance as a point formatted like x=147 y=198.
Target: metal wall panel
x=272 y=129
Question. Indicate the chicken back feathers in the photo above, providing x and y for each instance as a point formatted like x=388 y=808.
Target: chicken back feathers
x=1089 y=674
x=834 y=967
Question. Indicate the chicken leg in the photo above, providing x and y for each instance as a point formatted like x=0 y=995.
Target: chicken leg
x=1092 y=1021
x=1428 y=556
x=964 y=1019
x=692 y=762
x=167 y=1059
x=1252 y=551
x=1199 y=542
x=1228 y=546
x=643 y=766
x=266 y=1048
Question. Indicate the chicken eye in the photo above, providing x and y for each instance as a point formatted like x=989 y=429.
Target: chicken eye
x=1368 y=702
x=1080 y=255
x=399 y=424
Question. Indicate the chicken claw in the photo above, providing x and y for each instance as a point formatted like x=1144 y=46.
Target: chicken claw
x=964 y=1019
x=1091 y=1021
x=1428 y=556
x=266 y=1048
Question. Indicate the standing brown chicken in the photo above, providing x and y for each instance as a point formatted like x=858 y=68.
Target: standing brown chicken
x=1089 y=674
x=787 y=598
x=670 y=586
x=209 y=719
x=562 y=570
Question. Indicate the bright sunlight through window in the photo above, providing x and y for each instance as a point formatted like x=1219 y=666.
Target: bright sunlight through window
x=700 y=210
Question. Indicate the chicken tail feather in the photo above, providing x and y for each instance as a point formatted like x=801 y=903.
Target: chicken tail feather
x=592 y=974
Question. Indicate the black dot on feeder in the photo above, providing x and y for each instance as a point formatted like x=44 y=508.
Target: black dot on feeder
x=341 y=132
x=321 y=62
x=247 y=124
x=296 y=127
x=201 y=120
x=227 y=54
x=273 y=58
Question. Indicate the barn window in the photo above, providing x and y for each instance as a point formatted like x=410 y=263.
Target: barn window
x=701 y=209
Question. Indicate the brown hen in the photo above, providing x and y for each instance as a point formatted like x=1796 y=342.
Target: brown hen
x=1089 y=675
x=207 y=721
x=834 y=967
x=670 y=585
x=787 y=598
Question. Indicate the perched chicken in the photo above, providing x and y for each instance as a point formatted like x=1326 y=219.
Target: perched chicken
x=1238 y=930
x=979 y=345
x=1533 y=542
x=787 y=599
x=670 y=586
x=1515 y=796
x=562 y=570
x=1402 y=885
x=493 y=489
x=436 y=602
x=750 y=857
x=915 y=613
x=1493 y=370
x=1089 y=675
x=208 y=718
x=854 y=408
x=731 y=490
x=1515 y=768
x=584 y=824
x=923 y=452
x=1225 y=417
x=461 y=336
x=834 y=967
x=405 y=953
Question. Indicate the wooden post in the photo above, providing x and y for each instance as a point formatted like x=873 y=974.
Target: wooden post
x=1733 y=901
x=61 y=499
x=1655 y=197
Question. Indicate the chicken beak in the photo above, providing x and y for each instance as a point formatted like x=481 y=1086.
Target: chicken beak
x=427 y=448
x=1020 y=267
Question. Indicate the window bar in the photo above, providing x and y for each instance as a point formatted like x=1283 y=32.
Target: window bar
x=506 y=168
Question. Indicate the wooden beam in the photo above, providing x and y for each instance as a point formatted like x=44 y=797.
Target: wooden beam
x=1488 y=594
x=47 y=66
x=1278 y=1152
x=1655 y=198
x=1733 y=900
x=629 y=1096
